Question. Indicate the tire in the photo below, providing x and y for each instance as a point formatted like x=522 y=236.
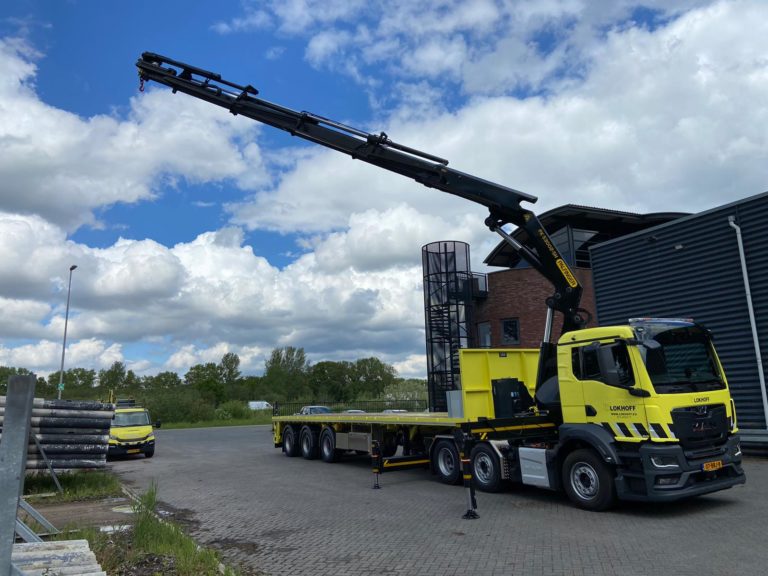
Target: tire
x=446 y=463
x=149 y=453
x=486 y=468
x=290 y=441
x=308 y=443
x=588 y=481
x=328 y=452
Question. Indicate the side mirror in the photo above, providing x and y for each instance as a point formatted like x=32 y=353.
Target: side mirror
x=651 y=344
x=609 y=371
x=158 y=424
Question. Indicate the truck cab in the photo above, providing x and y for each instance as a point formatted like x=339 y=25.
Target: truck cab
x=131 y=431
x=655 y=398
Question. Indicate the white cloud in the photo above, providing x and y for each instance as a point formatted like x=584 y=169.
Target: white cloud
x=62 y=167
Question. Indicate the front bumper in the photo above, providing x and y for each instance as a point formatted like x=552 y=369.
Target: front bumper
x=684 y=473
x=127 y=448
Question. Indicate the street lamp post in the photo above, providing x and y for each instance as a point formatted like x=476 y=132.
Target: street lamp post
x=66 y=320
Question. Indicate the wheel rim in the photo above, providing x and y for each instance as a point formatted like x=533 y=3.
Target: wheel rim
x=327 y=448
x=446 y=462
x=305 y=443
x=288 y=441
x=584 y=481
x=483 y=467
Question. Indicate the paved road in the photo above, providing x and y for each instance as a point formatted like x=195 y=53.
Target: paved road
x=289 y=516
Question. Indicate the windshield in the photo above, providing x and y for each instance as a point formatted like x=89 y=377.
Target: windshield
x=131 y=419
x=682 y=361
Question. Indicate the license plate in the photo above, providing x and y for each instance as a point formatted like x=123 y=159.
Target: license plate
x=712 y=466
x=136 y=451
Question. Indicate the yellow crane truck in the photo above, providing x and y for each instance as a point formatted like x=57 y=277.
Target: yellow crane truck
x=639 y=411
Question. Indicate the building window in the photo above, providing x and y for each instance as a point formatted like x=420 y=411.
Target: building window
x=510 y=331
x=484 y=335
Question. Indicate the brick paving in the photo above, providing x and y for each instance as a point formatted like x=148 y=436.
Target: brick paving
x=290 y=516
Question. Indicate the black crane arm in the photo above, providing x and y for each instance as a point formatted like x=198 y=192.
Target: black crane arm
x=377 y=149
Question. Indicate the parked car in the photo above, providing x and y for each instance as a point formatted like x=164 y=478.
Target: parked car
x=393 y=411
x=314 y=410
x=353 y=411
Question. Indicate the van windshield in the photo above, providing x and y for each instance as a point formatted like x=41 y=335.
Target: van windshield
x=683 y=361
x=131 y=419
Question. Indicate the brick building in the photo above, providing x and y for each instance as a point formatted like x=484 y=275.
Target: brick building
x=513 y=312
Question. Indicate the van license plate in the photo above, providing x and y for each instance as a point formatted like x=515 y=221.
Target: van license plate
x=712 y=466
x=136 y=451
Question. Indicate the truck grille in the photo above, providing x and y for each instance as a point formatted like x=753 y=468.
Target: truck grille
x=699 y=426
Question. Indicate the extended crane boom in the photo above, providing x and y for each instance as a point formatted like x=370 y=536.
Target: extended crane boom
x=378 y=149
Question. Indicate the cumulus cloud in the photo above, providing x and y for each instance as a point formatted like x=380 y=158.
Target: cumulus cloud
x=62 y=167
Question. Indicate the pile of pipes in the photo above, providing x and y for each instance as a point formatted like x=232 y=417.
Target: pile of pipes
x=68 y=433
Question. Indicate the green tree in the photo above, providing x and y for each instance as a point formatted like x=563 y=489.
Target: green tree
x=229 y=368
x=205 y=378
x=371 y=376
x=286 y=373
x=332 y=381
x=406 y=389
x=113 y=378
x=161 y=381
x=8 y=371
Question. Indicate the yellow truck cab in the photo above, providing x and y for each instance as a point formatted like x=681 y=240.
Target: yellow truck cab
x=131 y=431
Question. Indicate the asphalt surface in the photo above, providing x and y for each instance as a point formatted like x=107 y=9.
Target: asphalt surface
x=289 y=516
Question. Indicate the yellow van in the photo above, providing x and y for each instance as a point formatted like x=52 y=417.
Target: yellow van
x=131 y=431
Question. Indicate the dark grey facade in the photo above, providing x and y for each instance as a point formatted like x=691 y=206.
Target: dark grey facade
x=691 y=267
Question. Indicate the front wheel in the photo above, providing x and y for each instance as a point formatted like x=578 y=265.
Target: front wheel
x=588 y=481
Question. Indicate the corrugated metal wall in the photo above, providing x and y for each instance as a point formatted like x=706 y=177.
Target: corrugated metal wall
x=691 y=268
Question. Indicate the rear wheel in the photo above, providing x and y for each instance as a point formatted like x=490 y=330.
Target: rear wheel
x=588 y=481
x=446 y=463
x=290 y=441
x=308 y=442
x=486 y=468
x=328 y=452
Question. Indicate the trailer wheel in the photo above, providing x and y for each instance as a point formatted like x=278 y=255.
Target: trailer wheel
x=588 y=481
x=308 y=442
x=389 y=445
x=446 y=463
x=328 y=452
x=290 y=441
x=486 y=468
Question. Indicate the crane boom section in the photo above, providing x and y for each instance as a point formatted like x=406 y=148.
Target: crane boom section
x=379 y=150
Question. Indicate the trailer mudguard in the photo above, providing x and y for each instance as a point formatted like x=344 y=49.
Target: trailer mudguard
x=594 y=435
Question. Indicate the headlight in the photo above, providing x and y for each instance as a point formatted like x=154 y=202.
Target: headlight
x=664 y=462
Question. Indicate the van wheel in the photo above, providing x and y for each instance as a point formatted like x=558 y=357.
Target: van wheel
x=290 y=441
x=446 y=463
x=486 y=468
x=328 y=452
x=149 y=453
x=588 y=481
x=308 y=443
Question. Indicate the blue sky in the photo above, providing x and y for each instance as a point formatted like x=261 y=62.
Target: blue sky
x=197 y=233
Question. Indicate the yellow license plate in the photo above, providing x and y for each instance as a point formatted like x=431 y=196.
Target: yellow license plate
x=712 y=466
x=136 y=451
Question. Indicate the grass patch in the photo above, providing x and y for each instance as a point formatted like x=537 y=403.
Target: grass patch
x=150 y=546
x=253 y=421
x=78 y=485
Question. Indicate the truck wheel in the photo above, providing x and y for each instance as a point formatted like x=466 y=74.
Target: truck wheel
x=308 y=442
x=588 y=481
x=446 y=463
x=486 y=468
x=328 y=452
x=290 y=441
x=389 y=445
